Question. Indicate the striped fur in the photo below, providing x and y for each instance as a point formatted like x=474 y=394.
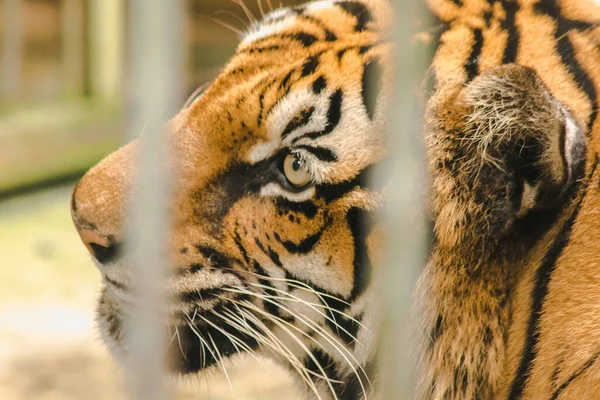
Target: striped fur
x=507 y=300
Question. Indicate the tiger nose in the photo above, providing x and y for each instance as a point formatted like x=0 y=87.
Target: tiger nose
x=101 y=248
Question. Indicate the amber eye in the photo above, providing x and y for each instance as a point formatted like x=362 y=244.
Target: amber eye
x=294 y=171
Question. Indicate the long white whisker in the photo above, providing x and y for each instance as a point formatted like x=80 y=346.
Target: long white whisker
x=296 y=364
x=222 y=363
x=325 y=335
x=271 y=299
x=260 y=8
x=192 y=326
x=281 y=324
x=251 y=17
x=309 y=303
x=294 y=283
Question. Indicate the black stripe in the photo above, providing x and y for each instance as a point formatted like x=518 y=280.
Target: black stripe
x=269 y=253
x=510 y=25
x=540 y=290
x=306 y=208
x=199 y=295
x=216 y=258
x=359 y=11
x=306 y=245
x=329 y=36
x=310 y=66
x=581 y=370
x=472 y=64
x=322 y=153
x=359 y=222
x=269 y=290
x=319 y=84
x=457 y=2
x=305 y=39
x=261 y=101
x=334 y=114
x=238 y=242
x=565 y=50
x=286 y=80
x=349 y=327
x=298 y=121
x=332 y=192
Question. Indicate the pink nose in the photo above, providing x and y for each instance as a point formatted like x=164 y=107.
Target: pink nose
x=100 y=247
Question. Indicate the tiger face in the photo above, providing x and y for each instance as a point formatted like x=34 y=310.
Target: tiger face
x=273 y=242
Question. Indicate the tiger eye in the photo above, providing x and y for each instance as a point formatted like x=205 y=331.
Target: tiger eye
x=295 y=171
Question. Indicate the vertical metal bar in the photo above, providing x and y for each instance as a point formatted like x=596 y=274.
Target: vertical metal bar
x=405 y=176
x=72 y=45
x=12 y=49
x=155 y=57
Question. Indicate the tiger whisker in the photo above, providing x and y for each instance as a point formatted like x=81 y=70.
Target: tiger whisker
x=221 y=361
x=293 y=337
x=281 y=324
x=226 y=334
x=311 y=290
x=192 y=325
x=252 y=332
x=276 y=347
x=226 y=25
x=292 y=282
x=265 y=297
x=296 y=364
x=260 y=8
x=249 y=14
x=339 y=347
x=232 y=14
x=329 y=338
x=312 y=304
x=231 y=337
x=180 y=345
x=270 y=5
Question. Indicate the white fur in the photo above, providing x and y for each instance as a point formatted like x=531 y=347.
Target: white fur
x=274 y=190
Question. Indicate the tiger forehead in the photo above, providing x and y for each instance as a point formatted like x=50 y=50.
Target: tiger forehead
x=304 y=53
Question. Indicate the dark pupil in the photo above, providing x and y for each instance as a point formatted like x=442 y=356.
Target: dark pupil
x=296 y=164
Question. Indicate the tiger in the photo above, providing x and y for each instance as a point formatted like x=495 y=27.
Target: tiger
x=275 y=244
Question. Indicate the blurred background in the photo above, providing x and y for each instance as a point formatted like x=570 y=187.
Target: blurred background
x=62 y=73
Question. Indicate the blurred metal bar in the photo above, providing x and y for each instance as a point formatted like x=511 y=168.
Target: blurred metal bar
x=12 y=49
x=155 y=49
x=405 y=216
x=72 y=45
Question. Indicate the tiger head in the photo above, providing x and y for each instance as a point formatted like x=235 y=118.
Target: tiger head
x=272 y=243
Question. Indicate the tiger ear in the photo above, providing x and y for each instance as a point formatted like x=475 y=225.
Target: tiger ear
x=500 y=148
x=514 y=119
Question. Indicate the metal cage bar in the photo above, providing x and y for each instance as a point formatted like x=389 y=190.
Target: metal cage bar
x=155 y=49
x=404 y=175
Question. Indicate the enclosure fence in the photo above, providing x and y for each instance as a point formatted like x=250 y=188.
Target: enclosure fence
x=155 y=41
x=154 y=87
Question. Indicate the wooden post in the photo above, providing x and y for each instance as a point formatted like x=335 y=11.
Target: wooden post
x=12 y=49
x=155 y=55
x=107 y=40
x=72 y=45
x=405 y=217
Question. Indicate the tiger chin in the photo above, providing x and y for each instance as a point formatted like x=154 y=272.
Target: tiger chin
x=274 y=247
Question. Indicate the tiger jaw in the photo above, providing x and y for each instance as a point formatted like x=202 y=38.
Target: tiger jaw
x=206 y=327
x=203 y=327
